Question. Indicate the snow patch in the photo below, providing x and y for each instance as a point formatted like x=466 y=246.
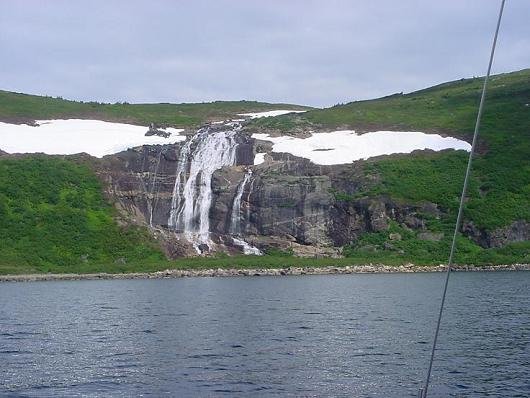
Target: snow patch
x=345 y=146
x=70 y=136
x=279 y=112
x=259 y=158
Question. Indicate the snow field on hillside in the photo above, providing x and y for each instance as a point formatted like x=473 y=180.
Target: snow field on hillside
x=70 y=136
x=339 y=147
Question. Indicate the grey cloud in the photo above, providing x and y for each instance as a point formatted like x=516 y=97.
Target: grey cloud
x=309 y=52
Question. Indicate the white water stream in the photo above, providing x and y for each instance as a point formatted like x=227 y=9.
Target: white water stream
x=207 y=151
x=235 y=219
x=212 y=148
x=200 y=156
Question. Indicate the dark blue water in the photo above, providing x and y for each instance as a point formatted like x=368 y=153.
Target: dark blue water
x=347 y=335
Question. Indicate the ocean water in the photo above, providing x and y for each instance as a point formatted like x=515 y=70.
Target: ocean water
x=308 y=336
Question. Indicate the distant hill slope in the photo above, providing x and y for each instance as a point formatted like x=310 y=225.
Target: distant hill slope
x=22 y=108
x=449 y=106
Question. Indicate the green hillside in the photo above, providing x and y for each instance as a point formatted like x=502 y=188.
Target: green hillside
x=449 y=106
x=500 y=189
x=15 y=107
x=53 y=216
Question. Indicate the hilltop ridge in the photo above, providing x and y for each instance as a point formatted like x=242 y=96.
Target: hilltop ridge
x=26 y=108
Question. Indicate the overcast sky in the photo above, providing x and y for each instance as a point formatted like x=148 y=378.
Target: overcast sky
x=308 y=52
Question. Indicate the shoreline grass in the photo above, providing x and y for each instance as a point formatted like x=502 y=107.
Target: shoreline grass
x=242 y=262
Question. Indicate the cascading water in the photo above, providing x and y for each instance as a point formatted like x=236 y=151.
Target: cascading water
x=235 y=219
x=207 y=151
x=176 y=199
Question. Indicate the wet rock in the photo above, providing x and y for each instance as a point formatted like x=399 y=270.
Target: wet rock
x=179 y=273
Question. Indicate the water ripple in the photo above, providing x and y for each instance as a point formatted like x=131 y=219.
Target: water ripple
x=355 y=335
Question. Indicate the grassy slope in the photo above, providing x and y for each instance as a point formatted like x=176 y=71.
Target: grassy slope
x=24 y=107
x=53 y=215
x=499 y=191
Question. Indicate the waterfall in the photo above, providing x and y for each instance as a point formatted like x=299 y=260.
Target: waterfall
x=204 y=153
x=235 y=220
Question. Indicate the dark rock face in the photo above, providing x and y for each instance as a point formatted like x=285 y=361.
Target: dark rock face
x=141 y=182
x=518 y=231
x=245 y=150
x=282 y=199
x=288 y=202
x=153 y=130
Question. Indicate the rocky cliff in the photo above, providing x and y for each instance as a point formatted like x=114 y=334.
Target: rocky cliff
x=285 y=202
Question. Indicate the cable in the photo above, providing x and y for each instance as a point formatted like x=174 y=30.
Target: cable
x=423 y=391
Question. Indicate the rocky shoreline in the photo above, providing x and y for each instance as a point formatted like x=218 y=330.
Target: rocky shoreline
x=232 y=272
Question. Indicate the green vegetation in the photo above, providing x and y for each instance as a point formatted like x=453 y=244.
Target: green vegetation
x=53 y=217
x=275 y=252
x=450 y=106
x=379 y=248
x=193 y=263
x=500 y=189
x=24 y=107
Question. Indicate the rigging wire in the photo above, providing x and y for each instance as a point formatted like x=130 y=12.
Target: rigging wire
x=423 y=391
